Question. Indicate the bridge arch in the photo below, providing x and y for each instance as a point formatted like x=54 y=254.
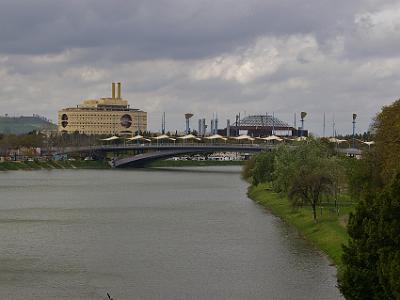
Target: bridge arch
x=141 y=160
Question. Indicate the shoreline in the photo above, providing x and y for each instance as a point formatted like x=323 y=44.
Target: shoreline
x=327 y=235
x=99 y=165
x=53 y=164
x=195 y=163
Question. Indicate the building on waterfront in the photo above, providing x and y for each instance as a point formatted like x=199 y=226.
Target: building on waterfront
x=103 y=116
x=260 y=125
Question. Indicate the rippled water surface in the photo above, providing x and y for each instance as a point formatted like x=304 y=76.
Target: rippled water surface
x=149 y=234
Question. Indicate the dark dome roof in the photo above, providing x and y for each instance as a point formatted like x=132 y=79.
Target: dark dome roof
x=262 y=121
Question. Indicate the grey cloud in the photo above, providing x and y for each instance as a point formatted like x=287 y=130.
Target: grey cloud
x=154 y=29
x=56 y=53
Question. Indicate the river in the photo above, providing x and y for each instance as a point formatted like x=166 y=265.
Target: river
x=187 y=233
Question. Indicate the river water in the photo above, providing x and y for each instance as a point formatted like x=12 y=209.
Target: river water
x=149 y=234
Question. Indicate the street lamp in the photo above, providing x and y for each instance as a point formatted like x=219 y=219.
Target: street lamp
x=303 y=114
x=354 y=129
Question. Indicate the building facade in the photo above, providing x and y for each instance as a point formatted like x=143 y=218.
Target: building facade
x=103 y=116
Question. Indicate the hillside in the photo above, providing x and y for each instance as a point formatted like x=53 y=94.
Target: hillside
x=24 y=124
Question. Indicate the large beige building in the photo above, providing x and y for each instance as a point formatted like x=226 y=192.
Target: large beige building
x=103 y=116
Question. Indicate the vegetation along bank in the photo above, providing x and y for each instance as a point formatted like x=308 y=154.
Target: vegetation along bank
x=347 y=207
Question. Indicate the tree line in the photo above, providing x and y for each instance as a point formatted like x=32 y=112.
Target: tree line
x=305 y=173
x=13 y=141
x=313 y=172
x=372 y=257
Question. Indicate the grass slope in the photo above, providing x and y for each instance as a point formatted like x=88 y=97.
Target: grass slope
x=328 y=234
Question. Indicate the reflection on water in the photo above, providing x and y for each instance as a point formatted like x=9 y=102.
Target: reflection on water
x=149 y=234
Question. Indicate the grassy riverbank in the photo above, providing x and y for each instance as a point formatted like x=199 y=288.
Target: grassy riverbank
x=37 y=165
x=328 y=234
x=195 y=163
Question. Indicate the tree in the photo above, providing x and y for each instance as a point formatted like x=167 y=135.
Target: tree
x=389 y=236
x=372 y=257
x=306 y=173
x=263 y=167
x=309 y=184
x=359 y=279
x=363 y=175
x=247 y=171
x=387 y=138
x=284 y=166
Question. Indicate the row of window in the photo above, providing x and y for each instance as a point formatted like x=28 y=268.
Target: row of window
x=102 y=124
x=102 y=115
x=109 y=120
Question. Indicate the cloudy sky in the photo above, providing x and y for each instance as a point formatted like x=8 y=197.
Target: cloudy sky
x=204 y=56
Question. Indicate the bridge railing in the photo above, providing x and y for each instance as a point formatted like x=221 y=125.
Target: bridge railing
x=216 y=146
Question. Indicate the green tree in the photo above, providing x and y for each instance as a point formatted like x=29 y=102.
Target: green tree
x=247 y=171
x=306 y=173
x=389 y=234
x=284 y=166
x=263 y=167
x=363 y=175
x=359 y=279
x=387 y=138
x=313 y=179
x=372 y=257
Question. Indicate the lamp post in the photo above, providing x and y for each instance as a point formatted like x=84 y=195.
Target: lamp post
x=303 y=114
x=273 y=123
x=354 y=129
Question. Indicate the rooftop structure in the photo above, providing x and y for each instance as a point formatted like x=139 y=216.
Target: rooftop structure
x=260 y=125
x=111 y=115
x=187 y=119
x=262 y=121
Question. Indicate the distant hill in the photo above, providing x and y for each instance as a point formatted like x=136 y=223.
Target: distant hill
x=24 y=124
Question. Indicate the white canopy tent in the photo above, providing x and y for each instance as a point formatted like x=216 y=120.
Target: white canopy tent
x=162 y=137
x=271 y=138
x=369 y=143
x=111 y=138
x=138 y=137
x=300 y=139
x=335 y=140
x=216 y=137
x=243 y=138
x=189 y=137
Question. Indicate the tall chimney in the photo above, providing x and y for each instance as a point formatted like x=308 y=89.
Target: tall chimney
x=113 y=90
x=119 y=90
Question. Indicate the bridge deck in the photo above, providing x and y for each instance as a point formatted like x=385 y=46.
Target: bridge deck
x=158 y=151
x=204 y=147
